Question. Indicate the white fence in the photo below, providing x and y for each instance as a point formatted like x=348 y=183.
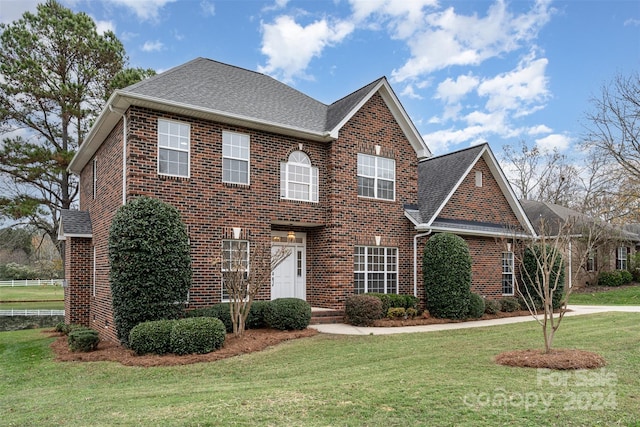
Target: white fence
x=31 y=312
x=38 y=282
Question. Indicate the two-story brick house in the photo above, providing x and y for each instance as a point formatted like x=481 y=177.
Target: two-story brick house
x=246 y=158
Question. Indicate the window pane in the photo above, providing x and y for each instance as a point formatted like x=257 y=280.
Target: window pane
x=385 y=189
x=366 y=165
x=235 y=171
x=366 y=187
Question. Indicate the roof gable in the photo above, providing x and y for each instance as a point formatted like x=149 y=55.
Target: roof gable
x=74 y=224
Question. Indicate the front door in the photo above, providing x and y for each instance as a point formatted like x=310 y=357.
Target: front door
x=288 y=279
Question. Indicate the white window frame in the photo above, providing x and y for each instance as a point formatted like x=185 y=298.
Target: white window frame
x=365 y=269
x=233 y=152
x=621 y=258
x=228 y=248
x=290 y=173
x=508 y=273
x=377 y=176
x=174 y=142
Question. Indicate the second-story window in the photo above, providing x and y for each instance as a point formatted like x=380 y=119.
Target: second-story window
x=173 y=148
x=235 y=158
x=298 y=179
x=376 y=177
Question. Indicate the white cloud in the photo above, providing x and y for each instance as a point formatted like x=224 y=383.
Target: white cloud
x=439 y=142
x=208 y=8
x=553 y=142
x=147 y=10
x=104 y=26
x=451 y=91
x=403 y=18
x=539 y=129
x=290 y=47
x=152 y=46
x=12 y=10
x=633 y=22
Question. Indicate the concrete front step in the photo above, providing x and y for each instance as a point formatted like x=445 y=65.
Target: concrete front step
x=325 y=316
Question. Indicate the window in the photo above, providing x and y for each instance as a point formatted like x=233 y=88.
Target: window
x=507 y=273
x=478 y=178
x=95 y=177
x=235 y=158
x=173 y=148
x=376 y=177
x=592 y=263
x=375 y=269
x=235 y=258
x=621 y=258
x=298 y=179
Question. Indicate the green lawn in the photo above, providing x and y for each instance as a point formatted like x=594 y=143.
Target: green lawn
x=419 y=379
x=629 y=295
x=48 y=297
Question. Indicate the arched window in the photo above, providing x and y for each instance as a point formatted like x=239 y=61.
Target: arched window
x=298 y=179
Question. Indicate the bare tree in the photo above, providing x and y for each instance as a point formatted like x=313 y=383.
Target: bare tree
x=565 y=244
x=245 y=273
x=615 y=123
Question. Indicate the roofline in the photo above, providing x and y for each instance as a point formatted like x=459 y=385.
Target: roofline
x=453 y=230
x=399 y=113
x=121 y=100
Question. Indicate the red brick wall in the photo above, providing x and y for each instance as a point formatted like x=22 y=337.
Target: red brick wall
x=211 y=208
x=78 y=273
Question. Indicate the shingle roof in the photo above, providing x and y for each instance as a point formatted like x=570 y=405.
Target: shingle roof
x=339 y=109
x=74 y=224
x=438 y=177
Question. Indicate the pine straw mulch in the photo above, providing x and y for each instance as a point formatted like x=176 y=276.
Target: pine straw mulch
x=562 y=359
x=425 y=319
x=253 y=340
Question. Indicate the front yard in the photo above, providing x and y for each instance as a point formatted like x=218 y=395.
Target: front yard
x=441 y=378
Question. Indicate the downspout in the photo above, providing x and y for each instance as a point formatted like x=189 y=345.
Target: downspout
x=570 y=256
x=415 y=261
x=124 y=153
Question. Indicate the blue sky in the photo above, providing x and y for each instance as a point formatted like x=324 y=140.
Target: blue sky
x=466 y=71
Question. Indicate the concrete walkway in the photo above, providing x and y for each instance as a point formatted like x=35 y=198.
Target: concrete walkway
x=576 y=310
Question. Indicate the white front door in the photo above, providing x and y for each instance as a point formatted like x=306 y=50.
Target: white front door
x=288 y=279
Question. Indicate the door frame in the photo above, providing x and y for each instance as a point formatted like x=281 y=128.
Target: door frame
x=299 y=252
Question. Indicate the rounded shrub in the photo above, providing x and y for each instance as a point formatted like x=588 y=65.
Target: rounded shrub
x=197 y=335
x=220 y=311
x=476 y=306
x=397 y=313
x=363 y=310
x=509 y=304
x=532 y=275
x=492 y=306
x=83 y=339
x=288 y=314
x=256 y=318
x=150 y=264
x=447 y=276
x=626 y=277
x=151 y=337
x=610 y=278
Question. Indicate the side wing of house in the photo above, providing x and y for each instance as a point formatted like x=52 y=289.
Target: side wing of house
x=466 y=193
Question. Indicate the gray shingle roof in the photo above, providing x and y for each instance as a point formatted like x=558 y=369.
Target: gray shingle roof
x=213 y=85
x=438 y=176
x=339 y=109
x=75 y=223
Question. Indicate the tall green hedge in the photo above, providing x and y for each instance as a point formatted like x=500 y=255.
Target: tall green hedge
x=532 y=256
x=150 y=264
x=446 y=269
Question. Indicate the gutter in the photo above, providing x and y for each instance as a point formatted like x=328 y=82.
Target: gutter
x=124 y=153
x=415 y=261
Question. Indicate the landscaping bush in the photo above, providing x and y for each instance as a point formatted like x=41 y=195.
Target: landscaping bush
x=626 y=277
x=509 y=304
x=60 y=327
x=152 y=337
x=197 y=335
x=363 y=310
x=533 y=256
x=412 y=313
x=395 y=300
x=447 y=276
x=476 y=306
x=492 y=306
x=256 y=318
x=396 y=313
x=150 y=264
x=610 y=278
x=288 y=314
x=83 y=339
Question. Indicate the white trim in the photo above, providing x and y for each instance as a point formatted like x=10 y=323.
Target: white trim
x=174 y=149
x=242 y=135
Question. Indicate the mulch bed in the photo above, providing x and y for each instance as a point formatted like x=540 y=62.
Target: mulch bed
x=428 y=320
x=253 y=340
x=556 y=359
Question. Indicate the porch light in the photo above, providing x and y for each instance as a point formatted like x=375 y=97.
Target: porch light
x=291 y=236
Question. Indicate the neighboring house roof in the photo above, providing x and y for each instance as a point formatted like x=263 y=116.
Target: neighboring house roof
x=74 y=224
x=551 y=216
x=439 y=178
x=211 y=90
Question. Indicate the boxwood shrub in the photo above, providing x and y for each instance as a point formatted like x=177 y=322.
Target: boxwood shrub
x=476 y=306
x=197 y=335
x=363 y=310
x=509 y=304
x=610 y=278
x=395 y=301
x=288 y=314
x=447 y=276
x=83 y=339
x=152 y=337
x=255 y=319
x=626 y=277
x=492 y=306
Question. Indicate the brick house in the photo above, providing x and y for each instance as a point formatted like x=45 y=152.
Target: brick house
x=245 y=158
